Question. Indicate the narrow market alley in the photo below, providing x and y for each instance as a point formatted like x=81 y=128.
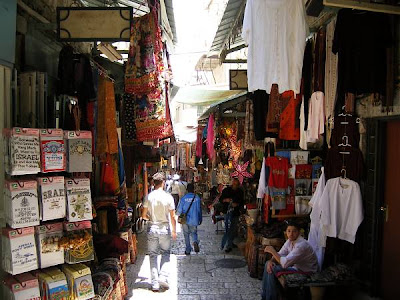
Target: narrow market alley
x=194 y=277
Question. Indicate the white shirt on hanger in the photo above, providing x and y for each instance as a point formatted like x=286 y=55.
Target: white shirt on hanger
x=316 y=117
x=341 y=209
x=316 y=237
x=276 y=32
x=262 y=185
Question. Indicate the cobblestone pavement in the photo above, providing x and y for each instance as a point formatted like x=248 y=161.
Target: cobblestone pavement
x=194 y=277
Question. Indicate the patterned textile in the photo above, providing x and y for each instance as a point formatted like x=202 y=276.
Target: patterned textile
x=250 y=141
x=107 y=136
x=331 y=69
x=210 y=137
x=152 y=118
x=145 y=56
x=274 y=110
x=128 y=126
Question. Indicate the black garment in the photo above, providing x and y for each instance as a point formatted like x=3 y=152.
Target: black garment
x=361 y=41
x=345 y=126
x=353 y=163
x=236 y=196
x=320 y=58
x=260 y=107
x=307 y=74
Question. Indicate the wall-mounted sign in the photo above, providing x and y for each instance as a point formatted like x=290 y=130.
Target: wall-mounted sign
x=88 y=24
x=238 y=79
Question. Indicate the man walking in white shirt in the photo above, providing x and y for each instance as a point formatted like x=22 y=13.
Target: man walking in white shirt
x=159 y=210
x=295 y=255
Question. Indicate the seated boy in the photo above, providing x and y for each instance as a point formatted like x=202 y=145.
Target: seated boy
x=295 y=255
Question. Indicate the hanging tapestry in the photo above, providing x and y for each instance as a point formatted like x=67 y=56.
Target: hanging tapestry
x=128 y=126
x=52 y=150
x=145 y=56
x=153 y=119
x=107 y=136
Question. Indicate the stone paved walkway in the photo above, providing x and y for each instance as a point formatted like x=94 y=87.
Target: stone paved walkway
x=194 y=277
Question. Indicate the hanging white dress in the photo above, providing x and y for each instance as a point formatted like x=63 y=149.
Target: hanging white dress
x=276 y=32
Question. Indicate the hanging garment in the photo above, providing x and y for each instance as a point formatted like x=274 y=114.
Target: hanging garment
x=210 y=138
x=316 y=117
x=274 y=111
x=278 y=197
x=199 y=141
x=279 y=168
x=317 y=237
x=276 y=32
x=262 y=183
x=345 y=126
x=307 y=77
x=107 y=136
x=145 y=56
x=303 y=131
x=128 y=126
x=331 y=69
x=352 y=162
x=340 y=200
x=361 y=41
x=319 y=60
x=289 y=126
x=290 y=201
x=259 y=114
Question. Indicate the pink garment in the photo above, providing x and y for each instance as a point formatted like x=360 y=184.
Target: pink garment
x=210 y=137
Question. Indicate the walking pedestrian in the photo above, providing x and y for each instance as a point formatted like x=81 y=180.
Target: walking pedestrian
x=190 y=206
x=159 y=210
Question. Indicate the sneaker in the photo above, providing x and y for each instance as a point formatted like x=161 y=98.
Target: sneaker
x=164 y=284
x=214 y=219
x=155 y=288
x=196 y=247
x=228 y=250
x=187 y=253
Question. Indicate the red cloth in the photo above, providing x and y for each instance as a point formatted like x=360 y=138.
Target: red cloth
x=210 y=137
x=289 y=128
x=199 y=141
x=279 y=172
x=303 y=171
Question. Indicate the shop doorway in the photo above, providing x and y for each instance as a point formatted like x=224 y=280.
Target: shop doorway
x=390 y=209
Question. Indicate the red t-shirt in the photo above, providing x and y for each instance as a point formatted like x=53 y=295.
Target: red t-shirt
x=279 y=172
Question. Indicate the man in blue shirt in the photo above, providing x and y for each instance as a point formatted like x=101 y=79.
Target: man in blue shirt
x=194 y=217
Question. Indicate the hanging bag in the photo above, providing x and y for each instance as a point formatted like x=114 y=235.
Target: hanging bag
x=183 y=216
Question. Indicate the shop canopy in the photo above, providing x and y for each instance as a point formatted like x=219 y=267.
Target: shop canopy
x=201 y=97
x=224 y=106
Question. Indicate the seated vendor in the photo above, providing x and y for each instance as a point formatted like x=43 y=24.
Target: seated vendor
x=295 y=255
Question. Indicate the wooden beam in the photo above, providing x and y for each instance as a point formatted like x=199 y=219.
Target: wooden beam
x=234 y=49
x=32 y=12
x=355 y=4
x=234 y=61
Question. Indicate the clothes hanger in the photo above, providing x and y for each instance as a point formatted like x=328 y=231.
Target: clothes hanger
x=345 y=142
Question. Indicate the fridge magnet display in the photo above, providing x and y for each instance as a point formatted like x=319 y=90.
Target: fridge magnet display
x=19 y=250
x=79 y=199
x=79 y=151
x=53 y=284
x=52 y=150
x=23 y=151
x=79 y=281
x=78 y=242
x=52 y=198
x=21 y=204
x=22 y=287
x=48 y=238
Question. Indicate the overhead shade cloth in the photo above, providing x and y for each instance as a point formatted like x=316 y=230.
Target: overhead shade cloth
x=200 y=97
